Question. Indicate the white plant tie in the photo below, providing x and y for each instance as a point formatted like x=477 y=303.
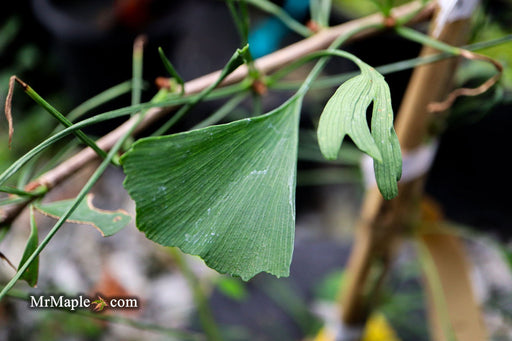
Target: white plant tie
x=415 y=164
x=453 y=10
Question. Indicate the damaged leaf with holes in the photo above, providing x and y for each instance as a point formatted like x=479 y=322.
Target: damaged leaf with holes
x=106 y=222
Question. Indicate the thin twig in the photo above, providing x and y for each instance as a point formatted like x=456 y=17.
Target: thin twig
x=266 y=64
x=447 y=103
x=52 y=111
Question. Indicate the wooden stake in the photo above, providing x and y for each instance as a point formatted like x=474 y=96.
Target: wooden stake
x=382 y=223
x=455 y=312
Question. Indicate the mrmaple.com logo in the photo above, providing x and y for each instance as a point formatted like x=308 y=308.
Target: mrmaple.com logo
x=73 y=303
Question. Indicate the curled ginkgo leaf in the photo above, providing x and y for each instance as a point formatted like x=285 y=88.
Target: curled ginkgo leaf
x=345 y=114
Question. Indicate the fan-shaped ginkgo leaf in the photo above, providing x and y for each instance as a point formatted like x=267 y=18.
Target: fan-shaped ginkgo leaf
x=225 y=193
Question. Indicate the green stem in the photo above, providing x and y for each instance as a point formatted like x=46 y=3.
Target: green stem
x=26 y=174
x=320 y=12
x=61 y=118
x=13 y=201
x=489 y=43
x=137 y=70
x=99 y=99
x=15 y=166
x=424 y=39
x=240 y=16
x=241 y=19
x=73 y=115
x=20 y=195
x=171 y=70
x=65 y=152
x=332 y=49
x=334 y=80
x=257 y=105
x=276 y=76
x=406 y=18
x=11 y=190
x=226 y=109
x=236 y=60
x=281 y=14
x=201 y=301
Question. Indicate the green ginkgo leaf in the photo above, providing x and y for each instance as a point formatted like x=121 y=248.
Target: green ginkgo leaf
x=345 y=114
x=389 y=171
x=225 y=193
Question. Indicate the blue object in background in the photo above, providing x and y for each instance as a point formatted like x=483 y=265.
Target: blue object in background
x=296 y=8
x=267 y=36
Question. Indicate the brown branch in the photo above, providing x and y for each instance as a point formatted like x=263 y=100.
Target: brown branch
x=266 y=64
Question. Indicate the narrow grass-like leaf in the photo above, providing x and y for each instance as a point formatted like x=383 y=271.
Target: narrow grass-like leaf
x=330 y=81
x=345 y=114
x=26 y=174
x=61 y=118
x=32 y=273
x=280 y=13
x=137 y=62
x=233 y=63
x=320 y=12
x=222 y=112
x=225 y=193
x=240 y=17
x=15 y=166
x=99 y=99
x=107 y=222
x=13 y=200
x=17 y=191
x=172 y=71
